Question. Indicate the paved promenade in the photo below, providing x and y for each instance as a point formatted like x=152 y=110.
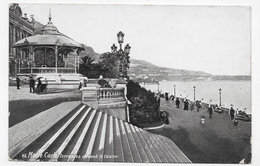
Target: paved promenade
x=24 y=94
x=218 y=142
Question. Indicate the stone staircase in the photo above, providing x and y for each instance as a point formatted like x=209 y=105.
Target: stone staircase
x=73 y=131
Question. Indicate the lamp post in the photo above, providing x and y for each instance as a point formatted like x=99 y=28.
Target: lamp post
x=174 y=91
x=220 y=90
x=122 y=55
x=194 y=92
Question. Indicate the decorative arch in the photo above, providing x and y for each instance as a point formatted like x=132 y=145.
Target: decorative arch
x=16 y=9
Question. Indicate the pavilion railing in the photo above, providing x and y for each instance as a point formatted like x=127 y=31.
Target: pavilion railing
x=47 y=70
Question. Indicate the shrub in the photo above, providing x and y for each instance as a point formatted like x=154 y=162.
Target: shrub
x=144 y=108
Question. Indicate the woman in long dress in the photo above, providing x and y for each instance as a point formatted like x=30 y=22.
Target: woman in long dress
x=186 y=104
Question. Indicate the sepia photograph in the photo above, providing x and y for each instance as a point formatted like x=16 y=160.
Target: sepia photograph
x=131 y=82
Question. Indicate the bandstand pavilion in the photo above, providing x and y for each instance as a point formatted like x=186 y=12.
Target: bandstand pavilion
x=50 y=55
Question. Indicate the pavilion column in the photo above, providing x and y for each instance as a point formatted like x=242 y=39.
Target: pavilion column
x=75 y=64
x=78 y=60
x=30 y=57
x=56 y=58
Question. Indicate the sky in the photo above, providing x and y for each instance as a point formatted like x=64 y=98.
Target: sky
x=213 y=39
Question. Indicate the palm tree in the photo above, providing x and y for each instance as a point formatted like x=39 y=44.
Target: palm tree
x=85 y=65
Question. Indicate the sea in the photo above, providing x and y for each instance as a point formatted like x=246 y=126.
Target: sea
x=236 y=93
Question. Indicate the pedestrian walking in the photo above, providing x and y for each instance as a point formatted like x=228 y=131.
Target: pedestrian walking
x=210 y=111
x=198 y=105
x=177 y=102
x=186 y=104
x=237 y=111
x=39 y=84
x=232 y=112
x=192 y=106
x=18 y=82
x=166 y=96
x=32 y=85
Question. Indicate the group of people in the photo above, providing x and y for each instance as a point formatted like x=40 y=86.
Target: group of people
x=40 y=87
x=232 y=113
x=187 y=103
x=190 y=105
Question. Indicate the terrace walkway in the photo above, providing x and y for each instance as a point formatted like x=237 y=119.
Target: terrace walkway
x=72 y=131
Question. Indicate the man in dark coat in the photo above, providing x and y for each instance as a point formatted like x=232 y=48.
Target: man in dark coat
x=18 y=82
x=38 y=89
x=177 y=102
x=198 y=105
x=166 y=96
x=231 y=112
x=210 y=110
x=32 y=85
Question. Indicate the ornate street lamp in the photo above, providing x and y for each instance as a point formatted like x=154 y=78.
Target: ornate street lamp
x=120 y=37
x=122 y=55
x=194 y=92
x=220 y=90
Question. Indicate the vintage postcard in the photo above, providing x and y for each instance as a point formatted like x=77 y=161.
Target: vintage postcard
x=131 y=83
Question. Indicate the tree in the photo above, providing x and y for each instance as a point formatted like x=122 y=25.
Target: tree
x=109 y=65
x=144 y=108
x=85 y=65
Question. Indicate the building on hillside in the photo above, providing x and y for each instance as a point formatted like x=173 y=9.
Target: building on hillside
x=19 y=27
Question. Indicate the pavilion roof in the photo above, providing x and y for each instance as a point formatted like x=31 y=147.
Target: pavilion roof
x=50 y=36
x=47 y=39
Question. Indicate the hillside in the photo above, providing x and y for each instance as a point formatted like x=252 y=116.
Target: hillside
x=140 y=70
x=89 y=51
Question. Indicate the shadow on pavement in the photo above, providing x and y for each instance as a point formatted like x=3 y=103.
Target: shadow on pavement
x=221 y=150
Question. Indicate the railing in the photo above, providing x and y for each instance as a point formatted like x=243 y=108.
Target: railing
x=110 y=93
x=47 y=70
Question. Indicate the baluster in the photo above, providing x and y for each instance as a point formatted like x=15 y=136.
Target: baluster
x=108 y=94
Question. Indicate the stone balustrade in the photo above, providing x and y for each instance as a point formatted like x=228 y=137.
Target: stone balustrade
x=47 y=70
x=107 y=100
x=110 y=93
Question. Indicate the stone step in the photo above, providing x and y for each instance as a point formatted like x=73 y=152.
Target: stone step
x=72 y=143
x=93 y=140
x=128 y=156
x=57 y=134
x=148 y=145
x=144 y=151
x=175 y=158
x=41 y=128
x=75 y=152
x=155 y=145
x=86 y=134
x=118 y=145
x=162 y=150
x=98 y=147
x=132 y=144
x=69 y=137
x=109 y=141
x=182 y=157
